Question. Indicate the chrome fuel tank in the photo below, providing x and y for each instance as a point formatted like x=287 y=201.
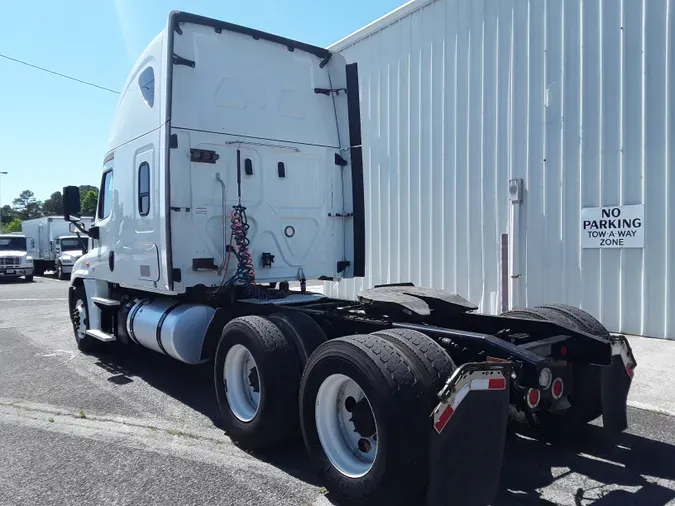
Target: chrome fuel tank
x=173 y=328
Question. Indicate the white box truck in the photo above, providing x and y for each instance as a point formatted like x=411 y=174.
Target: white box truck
x=55 y=245
x=235 y=168
x=15 y=261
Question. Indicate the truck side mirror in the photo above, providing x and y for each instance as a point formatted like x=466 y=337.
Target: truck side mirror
x=71 y=203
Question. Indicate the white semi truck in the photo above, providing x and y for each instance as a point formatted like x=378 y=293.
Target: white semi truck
x=14 y=258
x=234 y=167
x=56 y=244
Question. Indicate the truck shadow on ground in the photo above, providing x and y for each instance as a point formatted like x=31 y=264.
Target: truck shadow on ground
x=586 y=471
x=193 y=386
x=594 y=471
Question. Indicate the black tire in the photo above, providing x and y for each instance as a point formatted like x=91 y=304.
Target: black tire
x=58 y=273
x=584 y=321
x=398 y=473
x=522 y=313
x=278 y=373
x=85 y=344
x=29 y=279
x=585 y=395
x=550 y=315
x=430 y=359
x=302 y=332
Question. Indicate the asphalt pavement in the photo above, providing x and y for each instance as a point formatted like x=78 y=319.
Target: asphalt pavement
x=138 y=428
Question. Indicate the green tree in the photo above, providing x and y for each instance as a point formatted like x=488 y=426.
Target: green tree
x=14 y=226
x=84 y=188
x=53 y=206
x=88 y=201
x=27 y=206
x=7 y=215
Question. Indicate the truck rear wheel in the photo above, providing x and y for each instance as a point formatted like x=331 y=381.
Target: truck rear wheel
x=301 y=331
x=256 y=378
x=585 y=396
x=363 y=421
x=584 y=321
x=433 y=363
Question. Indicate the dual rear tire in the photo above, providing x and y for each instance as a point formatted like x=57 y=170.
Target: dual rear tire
x=585 y=396
x=365 y=402
x=256 y=376
x=361 y=402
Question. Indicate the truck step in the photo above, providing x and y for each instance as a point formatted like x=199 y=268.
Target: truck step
x=102 y=301
x=100 y=335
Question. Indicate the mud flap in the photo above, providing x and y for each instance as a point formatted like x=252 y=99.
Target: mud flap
x=616 y=381
x=468 y=436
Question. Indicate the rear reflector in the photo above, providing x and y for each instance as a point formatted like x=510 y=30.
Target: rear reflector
x=497 y=384
x=454 y=394
x=558 y=388
x=489 y=384
x=533 y=397
x=444 y=418
x=620 y=347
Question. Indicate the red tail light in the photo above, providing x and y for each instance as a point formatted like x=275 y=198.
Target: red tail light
x=558 y=388
x=533 y=398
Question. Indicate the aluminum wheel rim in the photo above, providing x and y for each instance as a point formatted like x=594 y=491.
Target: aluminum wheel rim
x=81 y=315
x=240 y=374
x=343 y=446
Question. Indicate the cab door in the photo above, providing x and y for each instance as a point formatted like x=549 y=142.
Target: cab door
x=144 y=254
x=102 y=258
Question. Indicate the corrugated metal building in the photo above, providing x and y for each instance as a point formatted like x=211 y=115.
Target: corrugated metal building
x=573 y=97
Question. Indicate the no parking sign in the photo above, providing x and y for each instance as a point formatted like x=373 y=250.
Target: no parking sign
x=613 y=227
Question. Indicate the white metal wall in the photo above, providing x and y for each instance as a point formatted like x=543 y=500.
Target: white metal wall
x=573 y=96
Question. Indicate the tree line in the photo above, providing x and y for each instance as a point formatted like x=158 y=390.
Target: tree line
x=27 y=207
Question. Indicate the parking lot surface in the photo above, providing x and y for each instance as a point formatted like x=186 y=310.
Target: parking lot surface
x=134 y=427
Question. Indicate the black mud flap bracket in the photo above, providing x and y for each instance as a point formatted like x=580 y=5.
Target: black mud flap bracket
x=468 y=436
x=616 y=382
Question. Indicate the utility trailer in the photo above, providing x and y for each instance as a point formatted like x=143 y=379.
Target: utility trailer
x=235 y=168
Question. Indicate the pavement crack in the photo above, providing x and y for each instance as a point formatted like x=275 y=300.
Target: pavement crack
x=55 y=415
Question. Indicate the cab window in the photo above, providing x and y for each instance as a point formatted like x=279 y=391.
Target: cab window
x=146 y=81
x=105 y=195
x=144 y=189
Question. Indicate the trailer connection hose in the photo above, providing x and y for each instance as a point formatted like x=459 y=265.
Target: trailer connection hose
x=239 y=226
x=245 y=273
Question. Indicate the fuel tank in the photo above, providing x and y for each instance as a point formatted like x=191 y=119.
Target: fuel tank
x=173 y=328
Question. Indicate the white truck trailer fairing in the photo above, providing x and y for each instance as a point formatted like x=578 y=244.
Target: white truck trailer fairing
x=234 y=168
x=189 y=141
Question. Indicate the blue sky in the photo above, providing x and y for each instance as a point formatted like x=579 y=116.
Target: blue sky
x=53 y=132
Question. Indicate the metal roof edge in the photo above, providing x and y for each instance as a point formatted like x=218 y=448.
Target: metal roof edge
x=379 y=24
